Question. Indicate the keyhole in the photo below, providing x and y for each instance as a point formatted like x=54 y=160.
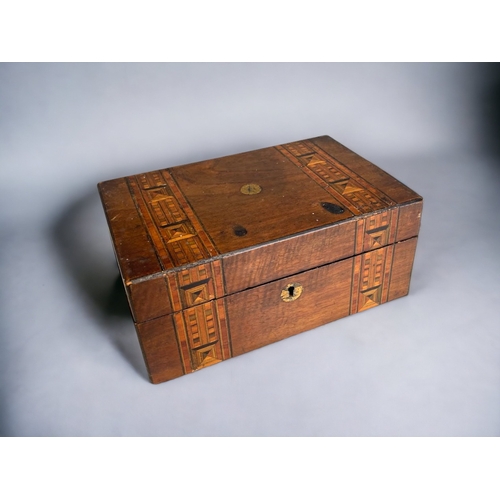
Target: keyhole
x=291 y=291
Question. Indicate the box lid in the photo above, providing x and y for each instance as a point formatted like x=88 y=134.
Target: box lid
x=189 y=234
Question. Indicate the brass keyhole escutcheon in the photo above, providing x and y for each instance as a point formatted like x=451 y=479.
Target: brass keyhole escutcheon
x=291 y=292
x=251 y=189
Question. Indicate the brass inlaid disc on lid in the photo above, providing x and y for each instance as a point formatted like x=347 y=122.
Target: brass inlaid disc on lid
x=251 y=189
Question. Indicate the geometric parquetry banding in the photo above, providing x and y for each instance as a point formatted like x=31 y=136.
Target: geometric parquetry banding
x=300 y=148
x=378 y=237
x=178 y=232
x=173 y=233
x=370 y=279
x=346 y=186
x=317 y=163
x=196 y=285
x=201 y=325
x=370 y=298
x=151 y=180
x=196 y=294
x=202 y=331
x=205 y=357
x=379 y=229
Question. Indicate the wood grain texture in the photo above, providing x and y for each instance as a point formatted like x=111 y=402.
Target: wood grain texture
x=409 y=220
x=288 y=203
x=160 y=349
x=404 y=253
x=325 y=297
x=149 y=299
x=289 y=256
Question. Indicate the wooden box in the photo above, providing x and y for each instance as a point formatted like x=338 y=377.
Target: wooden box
x=224 y=256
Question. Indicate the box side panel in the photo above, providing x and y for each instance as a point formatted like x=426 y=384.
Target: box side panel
x=133 y=248
x=409 y=220
x=160 y=349
x=149 y=298
x=396 y=190
x=404 y=254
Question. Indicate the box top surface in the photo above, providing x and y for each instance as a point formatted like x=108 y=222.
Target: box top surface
x=253 y=198
x=197 y=212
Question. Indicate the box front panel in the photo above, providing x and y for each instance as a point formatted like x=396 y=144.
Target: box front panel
x=292 y=255
x=260 y=316
x=178 y=289
x=205 y=334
